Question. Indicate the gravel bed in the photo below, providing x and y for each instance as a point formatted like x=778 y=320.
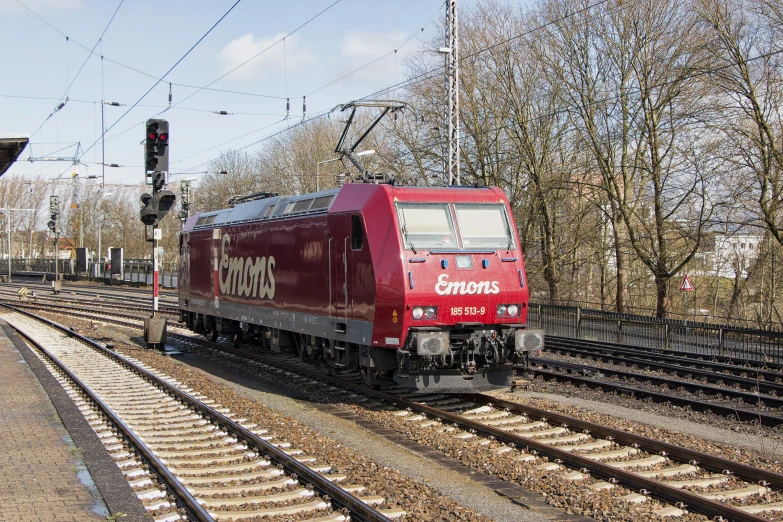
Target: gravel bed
x=571 y=496
x=750 y=443
x=420 y=500
x=598 y=364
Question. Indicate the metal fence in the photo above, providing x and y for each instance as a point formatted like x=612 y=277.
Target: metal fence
x=133 y=270
x=706 y=339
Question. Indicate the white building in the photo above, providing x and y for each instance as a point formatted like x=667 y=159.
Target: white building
x=734 y=253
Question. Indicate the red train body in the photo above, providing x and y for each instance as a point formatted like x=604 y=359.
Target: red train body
x=425 y=286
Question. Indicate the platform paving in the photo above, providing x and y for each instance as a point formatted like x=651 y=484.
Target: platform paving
x=44 y=474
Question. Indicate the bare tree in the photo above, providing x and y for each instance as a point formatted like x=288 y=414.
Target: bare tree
x=629 y=81
x=748 y=73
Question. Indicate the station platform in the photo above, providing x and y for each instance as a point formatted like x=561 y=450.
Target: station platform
x=53 y=466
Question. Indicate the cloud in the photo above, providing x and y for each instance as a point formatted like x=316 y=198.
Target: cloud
x=358 y=52
x=39 y=6
x=366 y=44
x=246 y=47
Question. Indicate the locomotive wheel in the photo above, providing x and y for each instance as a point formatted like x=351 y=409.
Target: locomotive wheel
x=212 y=335
x=236 y=340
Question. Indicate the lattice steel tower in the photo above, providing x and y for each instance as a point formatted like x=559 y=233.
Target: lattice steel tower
x=451 y=54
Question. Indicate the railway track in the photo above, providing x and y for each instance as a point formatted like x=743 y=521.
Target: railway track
x=720 y=363
x=581 y=375
x=598 y=457
x=214 y=466
x=721 y=400
x=127 y=294
x=602 y=458
x=92 y=314
x=84 y=304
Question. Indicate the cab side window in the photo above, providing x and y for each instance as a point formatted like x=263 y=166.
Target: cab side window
x=357 y=234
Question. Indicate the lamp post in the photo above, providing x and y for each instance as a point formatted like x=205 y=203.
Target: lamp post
x=7 y=212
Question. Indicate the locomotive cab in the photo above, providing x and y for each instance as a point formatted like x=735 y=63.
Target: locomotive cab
x=465 y=297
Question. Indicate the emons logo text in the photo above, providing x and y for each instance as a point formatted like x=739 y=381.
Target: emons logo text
x=446 y=287
x=243 y=277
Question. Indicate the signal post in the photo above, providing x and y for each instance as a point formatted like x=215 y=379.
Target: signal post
x=54 y=214
x=154 y=208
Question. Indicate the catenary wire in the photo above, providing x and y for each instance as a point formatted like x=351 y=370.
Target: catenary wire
x=64 y=96
x=162 y=77
x=416 y=78
x=139 y=71
x=97 y=102
x=258 y=54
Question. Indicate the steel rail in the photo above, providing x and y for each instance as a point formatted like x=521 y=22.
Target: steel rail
x=90 y=307
x=655 y=488
x=139 y=294
x=750 y=398
x=70 y=310
x=195 y=510
x=705 y=460
x=725 y=411
x=763 y=386
x=600 y=349
x=725 y=359
x=341 y=498
x=90 y=297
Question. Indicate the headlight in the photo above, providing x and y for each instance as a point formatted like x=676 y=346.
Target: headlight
x=464 y=262
x=425 y=312
x=508 y=310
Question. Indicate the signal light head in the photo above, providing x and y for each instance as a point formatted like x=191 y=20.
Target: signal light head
x=152 y=136
x=163 y=136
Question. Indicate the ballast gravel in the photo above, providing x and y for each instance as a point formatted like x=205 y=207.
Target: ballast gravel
x=756 y=445
x=756 y=448
x=249 y=397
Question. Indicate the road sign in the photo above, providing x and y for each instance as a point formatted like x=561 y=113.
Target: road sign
x=686 y=285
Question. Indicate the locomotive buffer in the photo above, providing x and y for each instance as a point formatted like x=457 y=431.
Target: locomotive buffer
x=154 y=208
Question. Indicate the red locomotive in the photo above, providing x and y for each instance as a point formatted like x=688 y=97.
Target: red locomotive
x=425 y=286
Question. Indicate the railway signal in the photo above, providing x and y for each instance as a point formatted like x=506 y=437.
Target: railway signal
x=54 y=208
x=154 y=208
x=156 y=147
x=54 y=214
x=185 y=191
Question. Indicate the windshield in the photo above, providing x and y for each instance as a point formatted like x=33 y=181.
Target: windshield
x=483 y=226
x=427 y=226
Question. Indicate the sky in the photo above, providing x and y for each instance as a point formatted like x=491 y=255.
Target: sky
x=39 y=64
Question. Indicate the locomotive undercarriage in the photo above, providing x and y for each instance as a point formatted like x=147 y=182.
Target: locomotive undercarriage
x=464 y=358
x=468 y=358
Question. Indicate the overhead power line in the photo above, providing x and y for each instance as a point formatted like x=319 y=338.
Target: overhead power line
x=139 y=71
x=259 y=54
x=417 y=78
x=162 y=77
x=65 y=95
